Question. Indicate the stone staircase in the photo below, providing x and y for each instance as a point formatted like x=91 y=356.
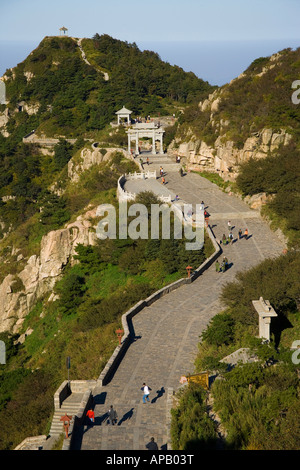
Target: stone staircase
x=70 y=406
x=136 y=422
x=156 y=161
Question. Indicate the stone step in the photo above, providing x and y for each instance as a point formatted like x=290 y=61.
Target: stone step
x=167 y=168
x=70 y=407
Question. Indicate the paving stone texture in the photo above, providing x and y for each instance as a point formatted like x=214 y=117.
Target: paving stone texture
x=166 y=334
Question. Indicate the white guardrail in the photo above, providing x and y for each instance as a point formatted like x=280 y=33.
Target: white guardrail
x=128 y=196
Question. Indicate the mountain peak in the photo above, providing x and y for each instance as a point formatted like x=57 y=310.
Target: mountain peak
x=77 y=84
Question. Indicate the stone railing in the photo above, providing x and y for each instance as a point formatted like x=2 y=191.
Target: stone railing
x=121 y=193
x=129 y=196
x=68 y=387
x=32 y=443
x=142 y=175
x=61 y=394
x=47 y=142
x=79 y=417
x=120 y=350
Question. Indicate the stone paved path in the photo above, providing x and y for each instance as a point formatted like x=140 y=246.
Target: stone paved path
x=167 y=332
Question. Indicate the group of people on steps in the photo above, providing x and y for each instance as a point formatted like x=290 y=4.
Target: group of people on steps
x=223 y=265
x=112 y=416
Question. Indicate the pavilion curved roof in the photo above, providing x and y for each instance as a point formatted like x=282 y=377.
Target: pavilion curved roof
x=124 y=111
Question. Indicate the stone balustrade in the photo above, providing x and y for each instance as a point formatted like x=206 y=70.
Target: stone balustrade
x=141 y=175
x=129 y=196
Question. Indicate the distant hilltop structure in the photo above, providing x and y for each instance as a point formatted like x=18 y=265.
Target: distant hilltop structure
x=63 y=30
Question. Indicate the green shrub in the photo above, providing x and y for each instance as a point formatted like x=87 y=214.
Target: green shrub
x=70 y=290
x=62 y=154
x=97 y=312
x=89 y=258
x=220 y=330
x=191 y=428
x=30 y=404
x=255 y=405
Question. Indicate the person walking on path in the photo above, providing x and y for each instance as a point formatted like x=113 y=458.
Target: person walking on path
x=240 y=234
x=230 y=238
x=142 y=164
x=146 y=389
x=91 y=416
x=224 y=239
x=225 y=262
x=246 y=234
x=229 y=226
x=217 y=266
x=206 y=218
x=152 y=444
x=112 y=416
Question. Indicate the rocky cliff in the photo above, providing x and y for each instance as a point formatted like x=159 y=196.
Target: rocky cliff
x=250 y=117
x=224 y=157
x=19 y=293
x=88 y=158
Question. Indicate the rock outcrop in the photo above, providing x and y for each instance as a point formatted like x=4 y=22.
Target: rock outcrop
x=19 y=293
x=88 y=158
x=223 y=157
x=217 y=151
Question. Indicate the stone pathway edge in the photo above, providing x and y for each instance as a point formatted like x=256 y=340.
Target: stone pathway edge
x=120 y=350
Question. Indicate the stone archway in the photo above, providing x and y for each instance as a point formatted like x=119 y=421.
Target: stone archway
x=148 y=130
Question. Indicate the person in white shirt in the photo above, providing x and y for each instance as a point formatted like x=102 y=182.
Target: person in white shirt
x=146 y=391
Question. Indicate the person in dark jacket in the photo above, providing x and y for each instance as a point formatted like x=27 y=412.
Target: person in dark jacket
x=152 y=445
x=112 y=416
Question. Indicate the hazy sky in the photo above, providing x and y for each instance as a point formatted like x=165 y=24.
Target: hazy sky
x=153 y=22
x=136 y=20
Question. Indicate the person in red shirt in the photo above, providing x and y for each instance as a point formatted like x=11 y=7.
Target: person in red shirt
x=91 y=415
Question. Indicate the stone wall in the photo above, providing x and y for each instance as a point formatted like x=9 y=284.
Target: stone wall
x=120 y=350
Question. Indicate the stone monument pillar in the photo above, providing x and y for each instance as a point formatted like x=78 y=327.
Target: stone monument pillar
x=265 y=312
